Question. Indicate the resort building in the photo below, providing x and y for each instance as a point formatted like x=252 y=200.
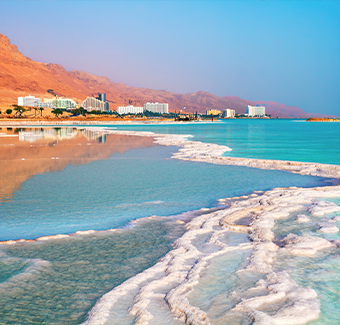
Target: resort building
x=32 y=101
x=96 y=103
x=213 y=112
x=62 y=103
x=157 y=108
x=228 y=113
x=130 y=109
x=256 y=110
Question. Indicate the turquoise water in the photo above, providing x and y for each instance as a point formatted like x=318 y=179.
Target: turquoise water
x=109 y=193
x=320 y=272
x=295 y=140
x=58 y=282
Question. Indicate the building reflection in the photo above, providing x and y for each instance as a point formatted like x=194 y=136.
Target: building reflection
x=25 y=152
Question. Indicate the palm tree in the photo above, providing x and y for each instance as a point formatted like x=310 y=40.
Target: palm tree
x=19 y=110
x=41 y=109
x=57 y=112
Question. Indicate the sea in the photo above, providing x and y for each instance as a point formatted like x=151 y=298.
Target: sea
x=82 y=211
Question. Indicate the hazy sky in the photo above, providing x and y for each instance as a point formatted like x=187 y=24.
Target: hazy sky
x=285 y=51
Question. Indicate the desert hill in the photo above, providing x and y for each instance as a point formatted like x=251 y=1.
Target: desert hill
x=20 y=76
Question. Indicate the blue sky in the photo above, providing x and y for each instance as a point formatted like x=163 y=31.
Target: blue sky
x=284 y=51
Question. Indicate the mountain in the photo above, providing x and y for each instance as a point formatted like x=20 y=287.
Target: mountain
x=20 y=76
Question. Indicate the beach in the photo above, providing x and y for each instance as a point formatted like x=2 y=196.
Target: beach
x=229 y=259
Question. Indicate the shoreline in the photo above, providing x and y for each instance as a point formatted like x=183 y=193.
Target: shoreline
x=172 y=279
x=207 y=153
x=179 y=270
x=182 y=276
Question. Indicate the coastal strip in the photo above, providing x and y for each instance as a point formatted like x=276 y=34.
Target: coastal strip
x=213 y=153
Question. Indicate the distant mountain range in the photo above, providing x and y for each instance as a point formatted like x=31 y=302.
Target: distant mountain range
x=20 y=76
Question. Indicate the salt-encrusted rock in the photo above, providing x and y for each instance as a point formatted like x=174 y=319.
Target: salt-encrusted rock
x=321 y=208
x=336 y=218
x=305 y=245
x=302 y=218
x=328 y=228
x=297 y=305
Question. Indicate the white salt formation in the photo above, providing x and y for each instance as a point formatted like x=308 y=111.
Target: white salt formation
x=169 y=283
x=161 y=294
x=302 y=218
x=305 y=245
x=212 y=153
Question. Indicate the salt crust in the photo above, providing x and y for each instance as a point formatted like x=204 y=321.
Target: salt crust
x=300 y=218
x=305 y=245
x=179 y=270
x=212 y=153
x=173 y=277
x=321 y=208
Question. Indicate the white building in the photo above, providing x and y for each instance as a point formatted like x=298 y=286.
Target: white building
x=130 y=109
x=230 y=113
x=95 y=104
x=64 y=103
x=157 y=108
x=31 y=101
x=256 y=110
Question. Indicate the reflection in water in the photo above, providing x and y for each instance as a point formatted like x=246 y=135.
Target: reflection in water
x=25 y=152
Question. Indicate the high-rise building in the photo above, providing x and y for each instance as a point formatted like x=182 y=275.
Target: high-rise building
x=256 y=110
x=229 y=113
x=63 y=103
x=130 y=109
x=101 y=97
x=161 y=108
x=96 y=103
x=32 y=101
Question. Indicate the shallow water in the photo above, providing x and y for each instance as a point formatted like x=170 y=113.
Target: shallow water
x=320 y=272
x=108 y=193
x=58 y=281
x=111 y=181
x=295 y=140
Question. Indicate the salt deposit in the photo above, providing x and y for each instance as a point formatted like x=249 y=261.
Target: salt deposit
x=305 y=245
x=302 y=218
x=213 y=153
x=276 y=298
x=173 y=278
x=321 y=208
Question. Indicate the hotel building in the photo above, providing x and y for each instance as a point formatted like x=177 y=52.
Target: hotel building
x=213 y=112
x=96 y=103
x=62 y=103
x=130 y=109
x=32 y=101
x=229 y=113
x=256 y=110
x=157 y=108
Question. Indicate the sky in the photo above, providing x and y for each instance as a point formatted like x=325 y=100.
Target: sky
x=283 y=51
